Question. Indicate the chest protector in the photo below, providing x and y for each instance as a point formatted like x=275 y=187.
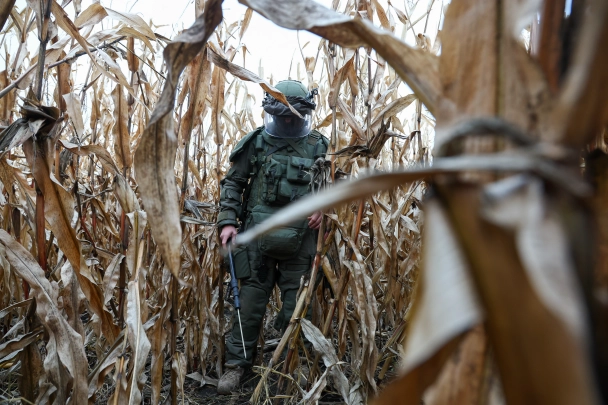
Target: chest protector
x=281 y=174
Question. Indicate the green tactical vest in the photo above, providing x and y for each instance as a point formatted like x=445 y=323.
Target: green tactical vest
x=280 y=174
x=281 y=171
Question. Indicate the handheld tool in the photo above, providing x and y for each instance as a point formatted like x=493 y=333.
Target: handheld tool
x=236 y=295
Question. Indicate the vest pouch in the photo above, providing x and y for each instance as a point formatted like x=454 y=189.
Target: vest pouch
x=289 y=191
x=272 y=173
x=282 y=243
x=298 y=170
x=240 y=258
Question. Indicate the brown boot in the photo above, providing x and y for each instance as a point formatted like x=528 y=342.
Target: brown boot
x=230 y=380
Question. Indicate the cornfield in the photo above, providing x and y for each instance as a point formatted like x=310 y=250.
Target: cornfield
x=465 y=191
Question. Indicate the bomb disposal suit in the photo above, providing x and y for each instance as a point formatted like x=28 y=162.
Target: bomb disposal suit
x=270 y=169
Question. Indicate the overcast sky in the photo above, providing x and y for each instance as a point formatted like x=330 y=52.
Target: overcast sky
x=277 y=48
x=264 y=40
x=274 y=45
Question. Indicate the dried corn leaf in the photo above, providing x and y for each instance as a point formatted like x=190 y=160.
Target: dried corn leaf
x=140 y=345
x=72 y=299
x=110 y=68
x=73 y=107
x=125 y=195
x=408 y=390
x=195 y=173
x=77 y=6
x=313 y=396
x=155 y=156
x=5 y=11
x=39 y=12
x=58 y=211
x=245 y=22
x=328 y=353
x=337 y=80
x=469 y=80
x=558 y=369
x=158 y=339
x=368 y=311
x=381 y=13
x=15 y=346
x=120 y=131
x=135 y=34
x=199 y=79
x=391 y=110
x=102 y=154
x=364 y=187
x=178 y=366
x=7 y=103
x=91 y=15
x=464 y=374
x=245 y=74
x=18 y=132
x=517 y=203
x=525 y=81
x=64 y=348
x=110 y=277
x=218 y=82
x=104 y=365
x=351 y=120
x=447 y=305
x=582 y=105
x=20 y=304
x=132 y=20
x=138 y=220
x=63 y=85
x=417 y=68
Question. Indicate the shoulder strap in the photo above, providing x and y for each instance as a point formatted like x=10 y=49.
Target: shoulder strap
x=321 y=145
x=275 y=149
x=256 y=161
x=320 y=137
x=301 y=151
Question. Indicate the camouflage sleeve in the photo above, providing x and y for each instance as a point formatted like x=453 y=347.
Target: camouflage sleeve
x=232 y=187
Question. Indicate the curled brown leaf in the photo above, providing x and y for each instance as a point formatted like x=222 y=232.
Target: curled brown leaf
x=64 y=348
x=155 y=156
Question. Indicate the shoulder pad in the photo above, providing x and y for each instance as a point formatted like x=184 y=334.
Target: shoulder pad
x=320 y=137
x=244 y=142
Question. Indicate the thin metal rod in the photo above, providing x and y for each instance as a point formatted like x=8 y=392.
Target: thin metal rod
x=238 y=314
x=236 y=295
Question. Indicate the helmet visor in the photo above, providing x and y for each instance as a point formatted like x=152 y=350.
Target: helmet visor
x=288 y=126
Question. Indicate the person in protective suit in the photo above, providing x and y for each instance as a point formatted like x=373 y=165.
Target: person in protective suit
x=270 y=168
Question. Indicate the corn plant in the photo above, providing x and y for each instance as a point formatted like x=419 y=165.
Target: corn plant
x=463 y=248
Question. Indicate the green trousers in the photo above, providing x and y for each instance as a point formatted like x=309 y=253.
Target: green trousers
x=255 y=291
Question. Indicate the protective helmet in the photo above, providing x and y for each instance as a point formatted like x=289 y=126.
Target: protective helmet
x=280 y=122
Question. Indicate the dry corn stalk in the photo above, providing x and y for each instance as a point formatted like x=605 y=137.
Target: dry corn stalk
x=374 y=247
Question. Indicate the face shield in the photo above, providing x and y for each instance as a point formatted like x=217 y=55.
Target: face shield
x=288 y=126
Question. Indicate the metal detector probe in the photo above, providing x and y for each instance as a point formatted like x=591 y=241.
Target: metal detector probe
x=236 y=295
